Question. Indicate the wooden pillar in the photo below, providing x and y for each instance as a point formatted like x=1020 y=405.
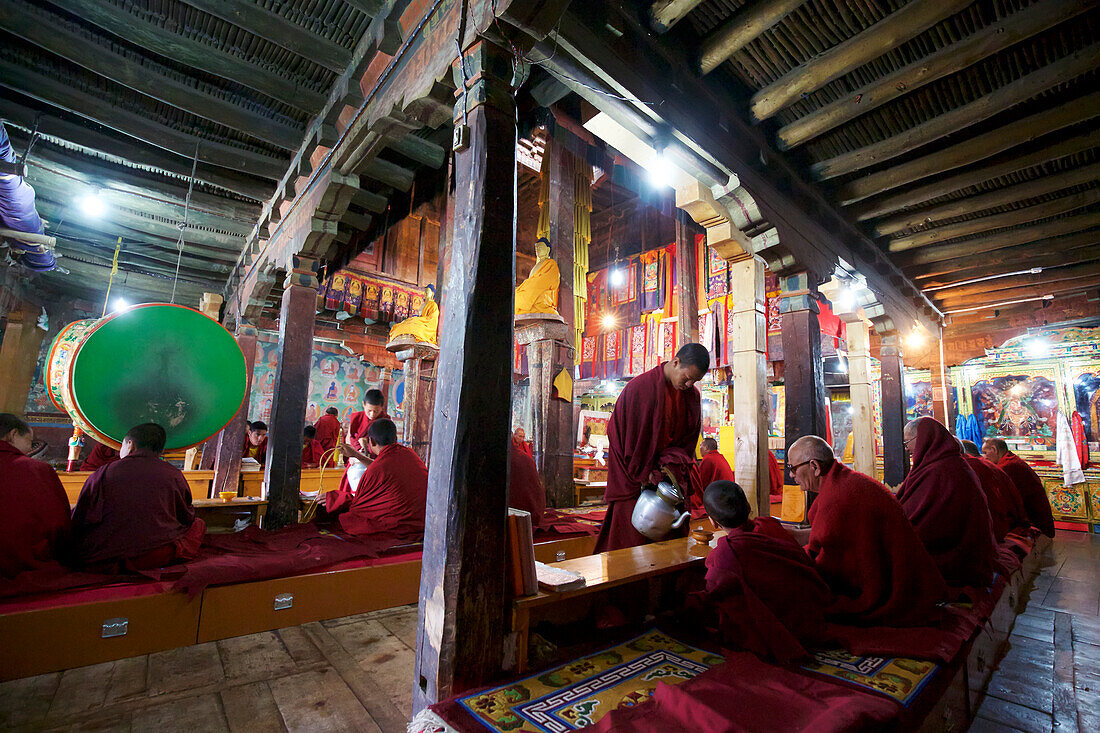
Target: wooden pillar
x=562 y=173
x=548 y=352
x=803 y=371
x=687 y=290
x=750 y=381
x=943 y=396
x=210 y=306
x=418 y=365
x=227 y=454
x=895 y=463
x=859 y=385
x=283 y=469
x=22 y=342
x=460 y=625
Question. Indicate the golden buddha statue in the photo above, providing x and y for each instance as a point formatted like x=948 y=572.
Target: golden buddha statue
x=424 y=327
x=539 y=292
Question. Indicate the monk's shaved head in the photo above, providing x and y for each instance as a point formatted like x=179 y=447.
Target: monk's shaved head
x=810 y=448
x=910 y=429
x=708 y=445
x=994 y=449
x=382 y=432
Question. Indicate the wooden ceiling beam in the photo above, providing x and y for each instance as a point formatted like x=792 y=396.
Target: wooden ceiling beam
x=105 y=112
x=145 y=259
x=1019 y=26
x=1026 y=215
x=1047 y=275
x=1000 y=240
x=124 y=24
x=1023 y=258
x=1028 y=291
x=960 y=118
x=973 y=150
x=56 y=35
x=276 y=29
x=893 y=30
x=1001 y=197
x=419 y=150
x=367 y=7
x=663 y=14
x=391 y=174
x=1012 y=257
x=746 y=25
x=158 y=288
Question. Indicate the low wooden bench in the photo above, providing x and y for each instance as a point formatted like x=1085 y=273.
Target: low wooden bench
x=73 y=482
x=215 y=511
x=252 y=480
x=585 y=490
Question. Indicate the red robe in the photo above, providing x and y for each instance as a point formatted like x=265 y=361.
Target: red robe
x=525 y=488
x=775 y=476
x=993 y=480
x=392 y=495
x=259 y=452
x=34 y=523
x=767 y=594
x=358 y=425
x=1032 y=493
x=100 y=455
x=714 y=467
x=868 y=553
x=312 y=452
x=944 y=501
x=653 y=425
x=1010 y=495
x=328 y=431
x=523 y=446
x=135 y=508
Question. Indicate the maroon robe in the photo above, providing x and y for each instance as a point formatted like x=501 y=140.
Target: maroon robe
x=941 y=496
x=259 y=452
x=775 y=477
x=392 y=495
x=714 y=467
x=34 y=522
x=358 y=425
x=136 y=506
x=100 y=455
x=312 y=452
x=653 y=425
x=868 y=553
x=524 y=447
x=1032 y=493
x=766 y=592
x=328 y=431
x=992 y=481
x=525 y=488
x=1010 y=495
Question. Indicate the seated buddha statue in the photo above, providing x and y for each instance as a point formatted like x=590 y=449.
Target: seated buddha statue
x=539 y=292
x=424 y=327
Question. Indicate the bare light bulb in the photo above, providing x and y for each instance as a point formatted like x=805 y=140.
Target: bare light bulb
x=92 y=204
x=617 y=277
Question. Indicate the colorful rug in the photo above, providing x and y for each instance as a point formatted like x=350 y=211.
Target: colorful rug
x=897 y=678
x=580 y=693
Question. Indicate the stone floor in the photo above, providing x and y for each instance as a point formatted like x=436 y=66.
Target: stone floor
x=1050 y=677
x=354 y=673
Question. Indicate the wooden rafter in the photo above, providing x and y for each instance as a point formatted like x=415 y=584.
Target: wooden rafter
x=1010 y=257
x=663 y=14
x=1047 y=275
x=998 y=36
x=950 y=122
x=1071 y=285
x=896 y=28
x=742 y=29
x=1027 y=257
x=122 y=23
x=975 y=149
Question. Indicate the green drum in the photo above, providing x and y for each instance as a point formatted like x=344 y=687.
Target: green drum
x=155 y=362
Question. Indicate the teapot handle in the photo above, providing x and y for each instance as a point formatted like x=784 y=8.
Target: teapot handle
x=681 y=519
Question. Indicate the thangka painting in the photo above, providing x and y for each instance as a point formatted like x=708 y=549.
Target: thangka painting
x=1021 y=408
x=918 y=394
x=1086 y=401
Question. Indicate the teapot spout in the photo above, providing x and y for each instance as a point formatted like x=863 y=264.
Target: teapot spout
x=681 y=519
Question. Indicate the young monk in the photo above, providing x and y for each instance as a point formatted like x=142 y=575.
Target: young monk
x=136 y=513
x=358 y=425
x=525 y=488
x=34 y=523
x=255 y=442
x=862 y=544
x=655 y=423
x=100 y=455
x=392 y=495
x=311 y=448
x=768 y=596
x=941 y=496
x=1027 y=482
x=328 y=428
x=1006 y=508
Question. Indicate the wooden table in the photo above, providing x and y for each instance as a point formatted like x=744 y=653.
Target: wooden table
x=214 y=511
x=605 y=571
x=586 y=490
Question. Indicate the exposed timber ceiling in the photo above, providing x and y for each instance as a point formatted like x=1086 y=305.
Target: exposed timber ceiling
x=128 y=95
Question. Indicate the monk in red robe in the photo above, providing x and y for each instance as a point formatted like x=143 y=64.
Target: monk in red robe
x=356 y=437
x=1005 y=508
x=1027 y=482
x=767 y=594
x=34 y=523
x=311 y=448
x=713 y=467
x=862 y=544
x=328 y=429
x=655 y=424
x=525 y=488
x=519 y=442
x=392 y=495
x=255 y=442
x=136 y=513
x=944 y=501
x=100 y=455
x=775 y=479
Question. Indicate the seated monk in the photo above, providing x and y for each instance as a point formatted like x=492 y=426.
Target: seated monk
x=944 y=501
x=1005 y=508
x=525 y=489
x=392 y=495
x=519 y=442
x=311 y=448
x=768 y=596
x=100 y=455
x=255 y=442
x=539 y=292
x=136 y=513
x=358 y=425
x=713 y=467
x=34 y=523
x=862 y=544
x=775 y=479
x=424 y=327
x=328 y=429
x=1027 y=482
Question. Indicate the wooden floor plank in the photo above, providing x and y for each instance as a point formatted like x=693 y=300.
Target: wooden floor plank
x=402 y=625
x=185 y=668
x=255 y=655
x=129 y=681
x=188 y=715
x=251 y=709
x=299 y=646
x=319 y=701
x=81 y=690
x=1065 y=700
x=1015 y=716
x=27 y=701
x=383 y=656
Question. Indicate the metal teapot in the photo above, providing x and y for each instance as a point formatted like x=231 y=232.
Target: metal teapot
x=655 y=513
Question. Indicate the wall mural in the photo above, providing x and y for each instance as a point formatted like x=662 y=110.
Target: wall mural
x=1017 y=406
x=1086 y=397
